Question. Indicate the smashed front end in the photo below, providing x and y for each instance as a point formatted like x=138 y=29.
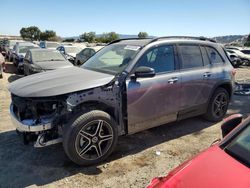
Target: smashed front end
x=38 y=119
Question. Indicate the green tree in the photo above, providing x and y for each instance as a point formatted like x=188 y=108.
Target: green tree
x=69 y=40
x=30 y=33
x=88 y=37
x=48 y=35
x=247 y=43
x=108 y=37
x=142 y=34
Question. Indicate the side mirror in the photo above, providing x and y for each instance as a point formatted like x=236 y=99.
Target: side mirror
x=230 y=123
x=144 y=72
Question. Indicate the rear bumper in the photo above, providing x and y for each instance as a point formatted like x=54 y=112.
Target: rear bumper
x=29 y=125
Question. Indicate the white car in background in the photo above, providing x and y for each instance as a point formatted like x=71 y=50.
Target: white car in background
x=69 y=52
x=243 y=56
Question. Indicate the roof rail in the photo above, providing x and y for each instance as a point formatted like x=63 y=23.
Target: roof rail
x=118 y=40
x=183 y=37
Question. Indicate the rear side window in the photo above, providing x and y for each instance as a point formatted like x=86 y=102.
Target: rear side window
x=161 y=59
x=191 y=56
x=214 y=55
x=204 y=56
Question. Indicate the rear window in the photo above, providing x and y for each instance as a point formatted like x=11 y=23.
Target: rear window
x=191 y=56
x=214 y=55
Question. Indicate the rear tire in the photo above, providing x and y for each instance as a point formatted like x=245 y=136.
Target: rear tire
x=90 y=137
x=218 y=105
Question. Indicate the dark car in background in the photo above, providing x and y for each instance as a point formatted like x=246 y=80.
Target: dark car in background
x=128 y=86
x=85 y=54
x=1 y=65
x=224 y=164
x=41 y=60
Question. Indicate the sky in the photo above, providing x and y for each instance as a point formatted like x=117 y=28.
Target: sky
x=156 y=17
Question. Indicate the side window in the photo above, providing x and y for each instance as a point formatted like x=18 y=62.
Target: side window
x=213 y=55
x=92 y=52
x=161 y=59
x=204 y=56
x=86 y=52
x=191 y=56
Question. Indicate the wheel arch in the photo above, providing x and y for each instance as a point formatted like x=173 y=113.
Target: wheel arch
x=225 y=85
x=100 y=105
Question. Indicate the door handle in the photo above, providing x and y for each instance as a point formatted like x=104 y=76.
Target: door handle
x=207 y=74
x=172 y=80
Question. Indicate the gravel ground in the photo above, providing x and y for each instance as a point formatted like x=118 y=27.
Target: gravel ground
x=137 y=159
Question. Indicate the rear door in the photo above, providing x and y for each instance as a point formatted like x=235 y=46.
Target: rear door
x=196 y=74
x=154 y=101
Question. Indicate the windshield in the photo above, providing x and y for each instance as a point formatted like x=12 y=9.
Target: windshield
x=52 y=45
x=72 y=49
x=24 y=49
x=239 y=148
x=112 y=59
x=12 y=43
x=40 y=56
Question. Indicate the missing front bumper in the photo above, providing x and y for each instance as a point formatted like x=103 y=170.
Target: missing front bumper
x=29 y=124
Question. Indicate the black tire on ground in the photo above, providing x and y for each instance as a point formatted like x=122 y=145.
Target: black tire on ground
x=89 y=138
x=218 y=105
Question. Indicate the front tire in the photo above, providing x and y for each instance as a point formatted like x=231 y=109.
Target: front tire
x=90 y=137
x=218 y=105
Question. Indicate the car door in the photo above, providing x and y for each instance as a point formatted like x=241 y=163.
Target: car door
x=196 y=75
x=154 y=101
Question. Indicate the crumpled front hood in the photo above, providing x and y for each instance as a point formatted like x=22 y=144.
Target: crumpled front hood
x=50 y=65
x=58 y=82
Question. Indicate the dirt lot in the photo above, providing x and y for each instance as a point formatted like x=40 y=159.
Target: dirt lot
x=133 y=164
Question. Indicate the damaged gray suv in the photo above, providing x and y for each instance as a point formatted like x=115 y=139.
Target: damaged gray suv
x=128 y=86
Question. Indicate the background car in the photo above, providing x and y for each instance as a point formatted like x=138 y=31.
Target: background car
x=2 y=46
x=9 y=48
x=40 y=60
x=243 y=56
x=236 y=61
x=224 y=164
x=1 y=65
x=69 y=52
x=85 y=54
x=49 y=45
x=19 y=51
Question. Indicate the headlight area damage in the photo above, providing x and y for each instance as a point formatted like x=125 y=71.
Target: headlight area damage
x=41 y=119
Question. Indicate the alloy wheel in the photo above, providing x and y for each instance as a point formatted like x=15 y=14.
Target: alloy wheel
x=94 y=140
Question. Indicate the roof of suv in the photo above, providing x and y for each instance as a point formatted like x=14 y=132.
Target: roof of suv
x=143 y=42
